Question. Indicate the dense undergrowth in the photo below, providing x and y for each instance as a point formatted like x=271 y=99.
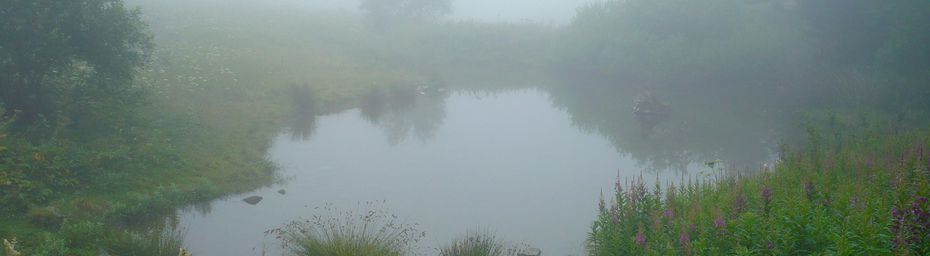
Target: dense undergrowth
x=860 y=195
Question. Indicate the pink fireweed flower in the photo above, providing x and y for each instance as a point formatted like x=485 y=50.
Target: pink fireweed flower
x=640 y=239
x=614 y=213
x=719 y=222
x=685 y=241
x=618 y=187
x=668 y=213
x=897 y=227
x=739 y=204
x=766 y=195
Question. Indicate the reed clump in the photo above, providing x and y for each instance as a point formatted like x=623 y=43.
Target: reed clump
x=374 y=232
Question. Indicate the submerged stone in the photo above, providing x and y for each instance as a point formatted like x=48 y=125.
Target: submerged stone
x=252 y=200
x=282 y=191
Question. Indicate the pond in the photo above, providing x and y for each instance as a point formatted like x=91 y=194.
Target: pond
x=517 y=163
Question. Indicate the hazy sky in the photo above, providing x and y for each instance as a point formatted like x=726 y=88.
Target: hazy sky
x=556 y=11
x=546 y=11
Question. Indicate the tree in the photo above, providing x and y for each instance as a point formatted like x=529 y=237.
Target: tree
x=385 y=12
x=55 y=51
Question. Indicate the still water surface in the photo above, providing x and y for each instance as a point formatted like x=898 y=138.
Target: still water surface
x=507 y=162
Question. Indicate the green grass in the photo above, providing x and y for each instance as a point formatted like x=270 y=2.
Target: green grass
x=213 y=106
x=349 y=234
x=475 y=244
x=865 y=196
x=163 y=242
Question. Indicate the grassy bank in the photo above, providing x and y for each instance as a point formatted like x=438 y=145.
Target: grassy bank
x=219 y=86
x=862 y=195
x=210 y=113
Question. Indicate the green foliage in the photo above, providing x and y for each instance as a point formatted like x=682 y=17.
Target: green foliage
x=159 y=242
x=390 y=12
x=72 y=56
x=68 y=86
x=33 y=173
x=475 y=244
x=48 y=217
x=684 y=43
x=41 y=244
x=347 y=234
x=83 y=234
x=868 y=197
x=798 y=52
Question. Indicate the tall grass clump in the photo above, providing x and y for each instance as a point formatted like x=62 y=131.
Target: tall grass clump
x=866 y=197
x=160 y=242
x=475 y=244
x=348 y=234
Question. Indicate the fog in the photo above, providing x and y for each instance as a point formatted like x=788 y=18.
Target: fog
x=542 y=11
x=557 y=12
x=423 y=127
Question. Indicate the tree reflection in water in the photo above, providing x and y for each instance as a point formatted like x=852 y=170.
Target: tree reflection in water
x=404 y=111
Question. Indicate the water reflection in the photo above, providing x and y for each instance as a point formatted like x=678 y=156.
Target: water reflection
x=404 y=111
x=702 y=127
x=303 y=124
x=527 y=163
x=661 y=129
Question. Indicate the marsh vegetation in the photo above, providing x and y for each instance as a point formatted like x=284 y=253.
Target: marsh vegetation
x=369 y=231
x=769 y=126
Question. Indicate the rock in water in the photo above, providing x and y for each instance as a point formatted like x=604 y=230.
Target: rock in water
x=282 y=191
x=252 y=200
x=530 y=252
